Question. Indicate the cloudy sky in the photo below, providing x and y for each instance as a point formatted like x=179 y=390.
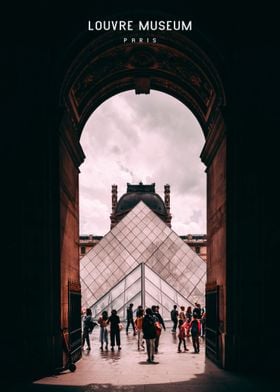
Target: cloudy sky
x=148 y=138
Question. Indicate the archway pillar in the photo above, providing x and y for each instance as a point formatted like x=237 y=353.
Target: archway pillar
x=71 y=157
x=176 y=67
x=214 y=155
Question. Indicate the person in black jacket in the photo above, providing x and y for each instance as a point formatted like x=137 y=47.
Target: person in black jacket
x=129 y=319
x=149 y=332
x=114 y=322
x=197 y=311
x=174 y=318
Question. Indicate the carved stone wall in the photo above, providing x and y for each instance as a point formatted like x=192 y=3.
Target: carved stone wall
x=176 y=66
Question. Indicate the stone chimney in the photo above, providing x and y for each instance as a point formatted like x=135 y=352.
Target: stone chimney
x=114 y=204
x=167 y=203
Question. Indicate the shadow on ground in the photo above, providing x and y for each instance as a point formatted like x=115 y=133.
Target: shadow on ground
x=225 y=382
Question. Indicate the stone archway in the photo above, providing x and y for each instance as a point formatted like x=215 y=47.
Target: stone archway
x=174 y=65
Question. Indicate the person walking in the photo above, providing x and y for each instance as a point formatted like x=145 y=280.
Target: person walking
x=103 y=322
x=149 y=332
x=195 y=329
x=182 y=336
x=129 y=319
x=114 y=322
x=174 y=318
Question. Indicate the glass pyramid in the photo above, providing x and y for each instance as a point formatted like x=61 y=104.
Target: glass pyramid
x=112 y=272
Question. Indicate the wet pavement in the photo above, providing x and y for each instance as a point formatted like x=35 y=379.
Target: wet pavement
x=127 y=370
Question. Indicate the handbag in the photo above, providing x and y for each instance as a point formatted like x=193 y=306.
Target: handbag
x=158 y=328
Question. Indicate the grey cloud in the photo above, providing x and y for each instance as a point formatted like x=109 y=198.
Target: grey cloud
x=196 y=216
x=126 y=170
x=116 y=150
x=149 y=138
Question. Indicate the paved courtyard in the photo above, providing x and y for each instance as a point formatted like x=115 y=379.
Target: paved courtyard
x=127 y=371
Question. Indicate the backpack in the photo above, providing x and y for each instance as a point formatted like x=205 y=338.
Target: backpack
x=158 y=328
x=194 y=327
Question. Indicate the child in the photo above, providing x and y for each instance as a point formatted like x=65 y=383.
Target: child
x=182 y=336
x=195 y=329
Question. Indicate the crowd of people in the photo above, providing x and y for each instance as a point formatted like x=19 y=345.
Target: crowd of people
x=147 y=325
x=191 y=323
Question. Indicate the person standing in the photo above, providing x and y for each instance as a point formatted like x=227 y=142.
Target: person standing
x=197 y=310
x=103 y=322
x=159 y=324
x=174 y=317
x=188 y=320
x=189 y=314
x=139 y=327
x=203 y=323
x=88 y=325
x=129 y=319
x=149 y=331
x=182 y=336
x=195 y=329
x=140 y=310
x=114 y=322
x=182 y=315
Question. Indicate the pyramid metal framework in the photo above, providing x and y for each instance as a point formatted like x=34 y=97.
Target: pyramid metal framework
x=111 y=273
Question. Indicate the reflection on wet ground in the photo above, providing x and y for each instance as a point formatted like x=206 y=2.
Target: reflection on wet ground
x=129 y=366
x=127 y=370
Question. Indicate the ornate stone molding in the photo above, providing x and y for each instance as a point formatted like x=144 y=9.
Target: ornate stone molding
x=214 y=139
x=108 y=66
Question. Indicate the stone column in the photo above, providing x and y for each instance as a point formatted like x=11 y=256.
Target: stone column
x=167 y=203
x=114 y=205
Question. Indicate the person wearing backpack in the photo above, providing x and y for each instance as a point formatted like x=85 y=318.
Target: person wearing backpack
x=149 y=332
x=159 y=325
x=88 y=325
x=195 y=329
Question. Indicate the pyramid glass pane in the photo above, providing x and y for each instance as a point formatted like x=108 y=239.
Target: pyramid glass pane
x=109 y=273
x=126 y=292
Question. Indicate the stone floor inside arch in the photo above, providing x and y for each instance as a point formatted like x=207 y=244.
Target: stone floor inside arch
x=141 y=254
x=112 y=277
x=127 y=371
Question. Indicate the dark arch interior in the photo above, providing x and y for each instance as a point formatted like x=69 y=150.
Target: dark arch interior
x=41 y=171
